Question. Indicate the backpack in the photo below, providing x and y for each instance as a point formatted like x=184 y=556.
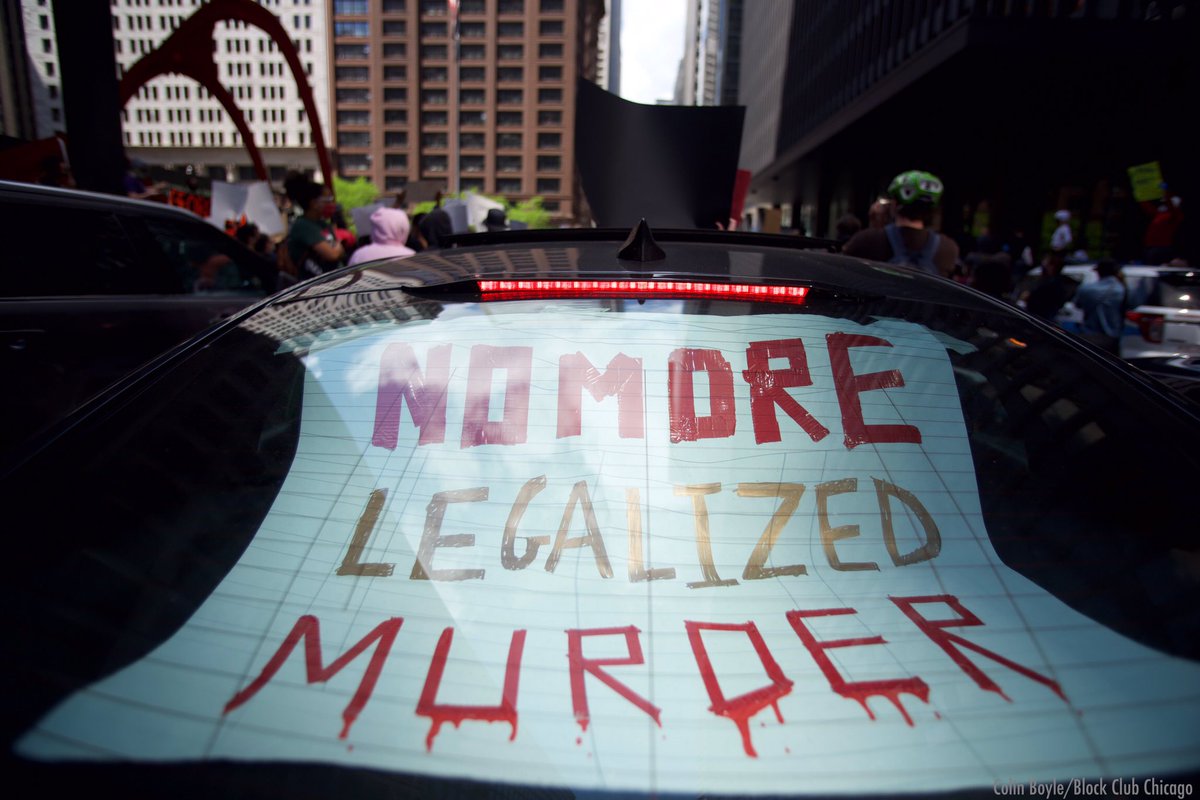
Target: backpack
x=921 y=259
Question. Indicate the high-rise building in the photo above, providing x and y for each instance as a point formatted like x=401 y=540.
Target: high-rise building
x=696 y=84
x=174 y=121
x=489 y=110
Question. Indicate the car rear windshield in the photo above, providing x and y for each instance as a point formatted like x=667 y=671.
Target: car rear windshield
x=381 y=544
x=1179 y=290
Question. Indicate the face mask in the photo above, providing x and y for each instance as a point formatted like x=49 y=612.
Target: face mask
x=328 y=210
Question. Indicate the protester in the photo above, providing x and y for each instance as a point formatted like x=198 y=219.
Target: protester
x=496 y=220
x=847 y=225
x=389 y=232
x=1162 y=233
x=881 y=213
x=1103 y=305
x=1062 y=238
x=1052 y=289
x=311 y=246
x=910 y=239
x=435 y=228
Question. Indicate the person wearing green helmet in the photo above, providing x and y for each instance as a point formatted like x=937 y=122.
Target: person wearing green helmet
x=909 y=239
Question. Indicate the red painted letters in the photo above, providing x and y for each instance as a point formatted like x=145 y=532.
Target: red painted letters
x=400 y=379
x=685 y=425
x=767 y=388
x=513 y=428
x=308 y=628
x=849 y=386
x=854 y=690
x=622 y=377
x=580 y=665
x=440 y=713
x=741 y=708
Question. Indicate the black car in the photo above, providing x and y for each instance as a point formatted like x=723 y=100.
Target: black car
x=564 y=513
x=93 y=286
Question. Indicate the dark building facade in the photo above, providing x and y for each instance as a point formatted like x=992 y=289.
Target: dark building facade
x=1020 y=108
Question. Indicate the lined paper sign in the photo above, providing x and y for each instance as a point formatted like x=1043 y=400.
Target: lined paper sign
x=642 y=551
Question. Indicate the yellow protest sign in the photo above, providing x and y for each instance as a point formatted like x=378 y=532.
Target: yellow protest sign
x=1147 y=181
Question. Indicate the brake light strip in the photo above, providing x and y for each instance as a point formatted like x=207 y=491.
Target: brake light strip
x=535 y=289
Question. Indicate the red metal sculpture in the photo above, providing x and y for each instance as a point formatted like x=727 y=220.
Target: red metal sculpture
x=189 y=51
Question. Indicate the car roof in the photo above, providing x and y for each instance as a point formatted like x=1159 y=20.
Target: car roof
x=758 y=259
x=79 y=198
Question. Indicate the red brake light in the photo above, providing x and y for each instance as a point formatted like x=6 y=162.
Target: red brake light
x=1150 y=325
x=542 y=289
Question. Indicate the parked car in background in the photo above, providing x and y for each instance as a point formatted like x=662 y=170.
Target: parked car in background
x=1163 y=319
x=94 y=285
x=548 y=514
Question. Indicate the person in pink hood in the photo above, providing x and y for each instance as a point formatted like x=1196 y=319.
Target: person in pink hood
x=389 y=232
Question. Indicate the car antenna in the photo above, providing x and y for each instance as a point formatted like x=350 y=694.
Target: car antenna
x=640 y=246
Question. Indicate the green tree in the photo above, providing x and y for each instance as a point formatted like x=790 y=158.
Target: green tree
x=354 y=194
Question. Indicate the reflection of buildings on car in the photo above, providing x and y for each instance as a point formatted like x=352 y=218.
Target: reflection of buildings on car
x=1022 y=105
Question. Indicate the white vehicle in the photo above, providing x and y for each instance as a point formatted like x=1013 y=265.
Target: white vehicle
x=1164 y=309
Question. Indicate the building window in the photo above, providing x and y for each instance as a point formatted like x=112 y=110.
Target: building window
x=395 y=95
x=550 y=50
x=393 y=6
x=394 y=184
x=509 y=30
x=472 y=185
x=472 y=30
x=508 y=163
x=353 y=95
x=349 y=7
x=509 y=97
x=508 y=185
x=473 y=97
x=549 y=95
x=434 y=141
x=549 y=118
x=351 y=52
x=512 y=6
x=352 y=73
x=354 y=162
x=510 y=52
x=393 y=115
x=551 y=6
x=354 y=139
x=550 y=27
x=509 y=119
x=354 y=117
x=433 y=118
x=549 y=141
x=549 y=164
x=358 y=29
x=548 y=185
x=433 y=97
x=434 y=74
x=469 y=118
x=435 y=52
x=395 y=139
x=395 y=73
x=433 y=30
x=510 y=74
x=433 y=8
x=470 y=141
x=472 y=74
x=472 y=52
x=508 y=141
x=395 y=161
x=395 y=50
x=549 y=73
x=433 y=164
x=470 y=164
x=394 y=27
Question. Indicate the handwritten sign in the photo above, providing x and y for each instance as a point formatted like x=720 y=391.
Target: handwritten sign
x=1146 y=180
x=639 y=551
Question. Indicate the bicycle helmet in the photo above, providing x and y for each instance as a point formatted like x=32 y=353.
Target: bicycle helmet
x=913 y=187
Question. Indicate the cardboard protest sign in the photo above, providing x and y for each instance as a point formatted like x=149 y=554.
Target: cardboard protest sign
x=362 y=218
x=254 y=201
x=672 y=165
x=640 y=551
x=1146 y=180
